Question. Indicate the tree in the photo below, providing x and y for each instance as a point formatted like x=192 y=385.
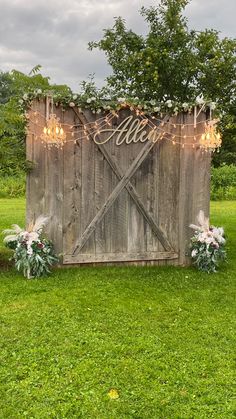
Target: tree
x=171 y=61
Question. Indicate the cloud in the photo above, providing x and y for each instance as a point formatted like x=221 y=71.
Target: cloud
x=55 y=34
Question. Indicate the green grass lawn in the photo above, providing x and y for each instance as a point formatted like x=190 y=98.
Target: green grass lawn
x=162 y=337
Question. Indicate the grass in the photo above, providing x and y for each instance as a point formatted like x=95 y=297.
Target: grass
x=162 y=337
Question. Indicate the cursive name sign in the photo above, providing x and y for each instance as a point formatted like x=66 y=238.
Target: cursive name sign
x=130 y=130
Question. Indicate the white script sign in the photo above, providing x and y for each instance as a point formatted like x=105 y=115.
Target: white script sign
x=131 y=130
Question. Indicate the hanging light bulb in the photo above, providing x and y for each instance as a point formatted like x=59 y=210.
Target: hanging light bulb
x=211 y=139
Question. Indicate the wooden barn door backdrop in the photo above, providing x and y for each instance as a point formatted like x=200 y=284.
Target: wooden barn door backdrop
x=117 y=196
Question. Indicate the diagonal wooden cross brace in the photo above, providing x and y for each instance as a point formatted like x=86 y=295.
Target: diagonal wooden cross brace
x=124 y=183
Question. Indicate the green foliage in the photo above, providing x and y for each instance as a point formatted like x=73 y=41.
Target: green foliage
x=171 y=61
x=6 y=87
x=223 y=182
x=164 y=337
x=12 y=186
x=227 y=154
x=38 y=263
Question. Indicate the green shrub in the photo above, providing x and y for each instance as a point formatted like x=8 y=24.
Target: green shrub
x=12 y=186
x=223 y=183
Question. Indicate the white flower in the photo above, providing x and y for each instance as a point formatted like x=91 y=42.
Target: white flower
x=21 y=101
x=93 y=98
x=89 y=100
x=75 y=97
x=169 y=103
x=29 y=250
x=71 y=104
x=107 y=107
x=39 y=91
x=185 y=105
x=98 y=110
x=121 y=99
x=212 y=106
x=200 y=100
x=152 y=102
x=25 y=96
x=194 y=253
x=218 y=234
x=157 y=109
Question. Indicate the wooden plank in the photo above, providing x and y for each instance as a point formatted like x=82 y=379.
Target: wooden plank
x=36 y=178
x=71 y=191
x=54 y=173
x=168 y=186
x=87 y=206
x=119 y=257
x=125 y=179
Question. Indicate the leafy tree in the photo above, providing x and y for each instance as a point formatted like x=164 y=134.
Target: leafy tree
x=171 y=61
x=6 y=87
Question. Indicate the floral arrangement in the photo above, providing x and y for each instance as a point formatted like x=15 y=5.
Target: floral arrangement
x=207 y=245
x=33 y=254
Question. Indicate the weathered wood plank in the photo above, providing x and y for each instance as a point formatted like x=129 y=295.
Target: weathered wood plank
x=71 y=190
x=54 y=172
x=118 y=257
x=36 y=177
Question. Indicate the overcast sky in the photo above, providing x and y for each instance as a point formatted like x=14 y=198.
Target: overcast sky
x=55 y=33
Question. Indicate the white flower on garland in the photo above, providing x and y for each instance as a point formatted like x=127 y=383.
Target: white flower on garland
x=169 y=103
x=212 y=106
x=72 y=104
x=157 y=109
x=185 y=106
x=89 y=100
x=121 y=99
x=200 y=100
x=74 y=97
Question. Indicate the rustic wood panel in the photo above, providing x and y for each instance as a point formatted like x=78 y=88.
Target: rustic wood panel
x=131 y=203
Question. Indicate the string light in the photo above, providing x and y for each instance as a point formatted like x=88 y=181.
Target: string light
x=58 y=136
